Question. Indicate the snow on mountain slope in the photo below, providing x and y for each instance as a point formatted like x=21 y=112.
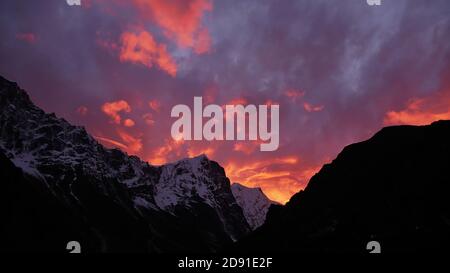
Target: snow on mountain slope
x=253 y=202
x=190 y=181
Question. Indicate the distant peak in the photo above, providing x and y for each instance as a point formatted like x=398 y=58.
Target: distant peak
x=4 y=80
x=11 y=91
x=239 y=185
x=4 y=83
x=254 y=203
x=441 y=123
x=202 y=156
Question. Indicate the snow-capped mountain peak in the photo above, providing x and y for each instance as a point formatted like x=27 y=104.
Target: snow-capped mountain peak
x=254 y=203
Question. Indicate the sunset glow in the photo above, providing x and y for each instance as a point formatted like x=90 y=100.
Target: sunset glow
x=118 y=67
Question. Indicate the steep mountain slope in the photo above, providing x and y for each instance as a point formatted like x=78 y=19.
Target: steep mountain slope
x=393 y=188
x=253 y=202
x=187 y=205
x=34 y=219
x=190 y=182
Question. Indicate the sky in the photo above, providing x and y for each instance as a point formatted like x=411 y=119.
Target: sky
x=340 y=70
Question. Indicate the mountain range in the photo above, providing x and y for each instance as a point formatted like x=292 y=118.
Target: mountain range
x=59 y=185
x=62 y=185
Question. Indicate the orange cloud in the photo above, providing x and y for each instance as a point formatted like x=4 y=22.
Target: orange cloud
x=208 y=151
x=181 y=20
x=248 y=147
x=161 y=154
x=279 y=178
x=288 y=160
x=421 y=111
x=143 y=49
x=133 y=144
x=107 y=142
x=112 y=109
x=129 y=123
x=237 y=101
x=129 y=144
x=311 y=108
x=245 y=148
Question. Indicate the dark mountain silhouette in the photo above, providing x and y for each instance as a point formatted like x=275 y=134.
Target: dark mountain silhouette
x=60 y=185
x=393 y=188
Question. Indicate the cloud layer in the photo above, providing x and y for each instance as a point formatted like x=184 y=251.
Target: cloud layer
x=340 y=70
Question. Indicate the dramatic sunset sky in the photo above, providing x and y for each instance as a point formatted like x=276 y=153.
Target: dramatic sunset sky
x=340 y=70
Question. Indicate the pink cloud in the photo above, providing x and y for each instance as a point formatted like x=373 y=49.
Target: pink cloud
x=148 y=118
x=27 y=37
x=294 y=94
x=82 y=110
x=421 y=111
x=181 y=20
x=312 y=108
x=155 y=105
x=142 y=49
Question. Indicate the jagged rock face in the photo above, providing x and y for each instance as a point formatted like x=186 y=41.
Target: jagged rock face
x=253 y=202
x=187 y=205
x=200 y=180
x=393 y=188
